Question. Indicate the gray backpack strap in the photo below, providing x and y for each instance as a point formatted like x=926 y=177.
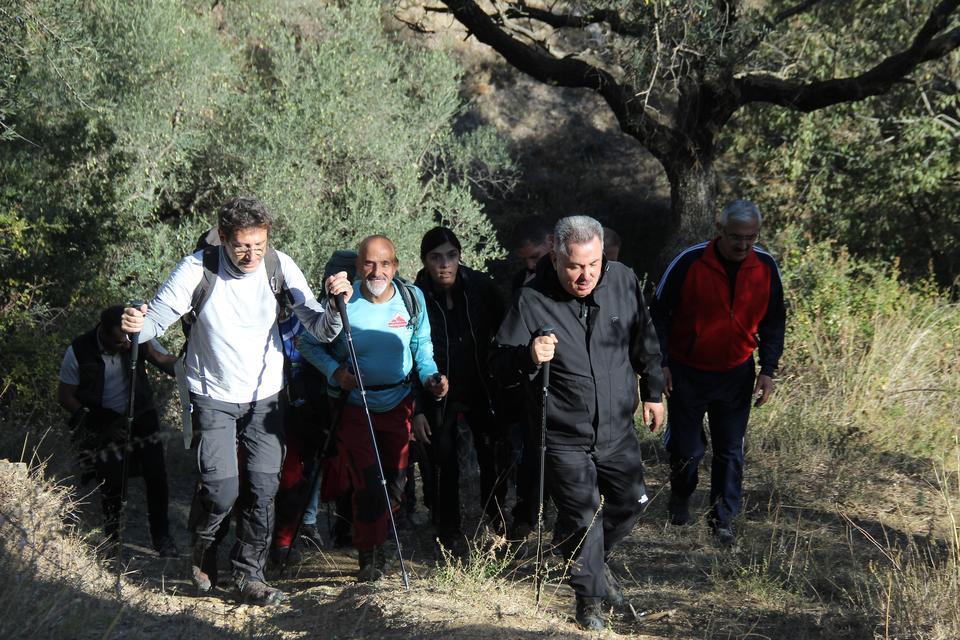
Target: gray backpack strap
x=211 y=268
x=409 y=301
x=271 y=262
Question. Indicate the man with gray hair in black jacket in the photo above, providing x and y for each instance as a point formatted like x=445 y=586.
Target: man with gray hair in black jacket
x=602 y=339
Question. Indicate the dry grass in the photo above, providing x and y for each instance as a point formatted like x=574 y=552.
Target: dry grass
x=51 y=578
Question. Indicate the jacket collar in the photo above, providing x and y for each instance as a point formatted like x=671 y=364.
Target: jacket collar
x=710 y=257
x=547 y=274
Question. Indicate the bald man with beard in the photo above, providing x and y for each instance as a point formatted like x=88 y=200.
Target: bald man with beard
x=390 y=345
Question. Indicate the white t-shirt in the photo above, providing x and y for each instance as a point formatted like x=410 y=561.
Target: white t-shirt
x=116 y=391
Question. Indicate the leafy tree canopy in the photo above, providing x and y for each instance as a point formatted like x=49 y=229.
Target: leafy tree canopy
x=126 y=124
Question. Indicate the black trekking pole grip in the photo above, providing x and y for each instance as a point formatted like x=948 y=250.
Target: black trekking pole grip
x=134 y=342
x=341 y=303
x=134 y=355
x=546 y=330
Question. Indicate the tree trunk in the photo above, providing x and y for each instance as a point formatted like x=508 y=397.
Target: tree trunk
x=693 y=190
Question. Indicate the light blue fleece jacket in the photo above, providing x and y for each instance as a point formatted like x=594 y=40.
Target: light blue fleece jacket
x=387 y=348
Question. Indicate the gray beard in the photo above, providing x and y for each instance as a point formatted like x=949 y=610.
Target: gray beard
x=377 y=287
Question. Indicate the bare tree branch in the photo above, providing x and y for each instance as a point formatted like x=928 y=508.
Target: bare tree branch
x=609 y=17
x=942 y=45
x=810 y=96
x=786 y=14
x=566 y=72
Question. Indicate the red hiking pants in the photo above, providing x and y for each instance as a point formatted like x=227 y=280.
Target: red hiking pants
x=370 y=520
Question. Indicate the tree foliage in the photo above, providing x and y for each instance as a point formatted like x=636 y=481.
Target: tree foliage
x=881 y=176
x=128 y=123
x=675 y=73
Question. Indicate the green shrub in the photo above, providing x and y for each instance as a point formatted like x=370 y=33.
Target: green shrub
x=128 y=123
x=869 y=361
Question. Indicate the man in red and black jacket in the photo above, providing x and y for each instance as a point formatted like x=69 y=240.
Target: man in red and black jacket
x=717 y=302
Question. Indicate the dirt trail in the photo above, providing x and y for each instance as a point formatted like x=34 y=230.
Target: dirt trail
x=682 y=584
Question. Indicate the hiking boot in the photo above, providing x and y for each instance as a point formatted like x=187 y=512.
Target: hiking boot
x=724 y=535
x=589 y=614
x=259 y=593
x=614 y=597
x=311 y=536
x=679 y=510
x=281 y=556
x=166 y=548
x=519 y=530
x=454 y=543
x=372 y=564
x=203 y=568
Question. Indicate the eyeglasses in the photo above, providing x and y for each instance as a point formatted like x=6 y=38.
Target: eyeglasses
x=751 y=239
x=240 y=250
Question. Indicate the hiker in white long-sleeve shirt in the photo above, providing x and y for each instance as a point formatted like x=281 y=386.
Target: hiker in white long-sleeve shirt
x=234 y=363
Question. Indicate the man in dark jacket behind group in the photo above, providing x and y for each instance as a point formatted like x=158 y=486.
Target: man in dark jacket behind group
x=602 y=338
x=465 y=311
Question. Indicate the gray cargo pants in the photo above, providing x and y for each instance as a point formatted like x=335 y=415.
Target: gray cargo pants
x=229 y=437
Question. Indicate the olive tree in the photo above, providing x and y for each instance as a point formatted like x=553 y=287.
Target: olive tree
x=675 y=73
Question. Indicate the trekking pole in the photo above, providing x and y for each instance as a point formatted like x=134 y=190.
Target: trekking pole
x=125 y=454
x=342 y=308
x=312 y=486
x=538 y=571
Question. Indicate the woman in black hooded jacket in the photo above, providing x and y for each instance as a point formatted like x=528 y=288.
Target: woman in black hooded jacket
x=465 y=311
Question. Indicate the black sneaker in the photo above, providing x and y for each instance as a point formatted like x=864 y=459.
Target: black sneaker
x=203 y=568
x=614 y=597
x=311 y=536
x=590 y=614
x=372 y=565
x=679 y=510
x=724 y=535
x=259 y=593
x=166 y=548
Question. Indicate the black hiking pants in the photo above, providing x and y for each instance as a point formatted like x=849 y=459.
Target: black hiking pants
x=585 y=531
x=493 y=458
x=725 y=397
x=146 y=460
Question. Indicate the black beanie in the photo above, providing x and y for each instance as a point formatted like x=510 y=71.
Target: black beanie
x=436 y=237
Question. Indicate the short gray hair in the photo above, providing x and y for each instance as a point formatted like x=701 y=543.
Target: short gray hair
x=575 y=230
x=741 y=211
